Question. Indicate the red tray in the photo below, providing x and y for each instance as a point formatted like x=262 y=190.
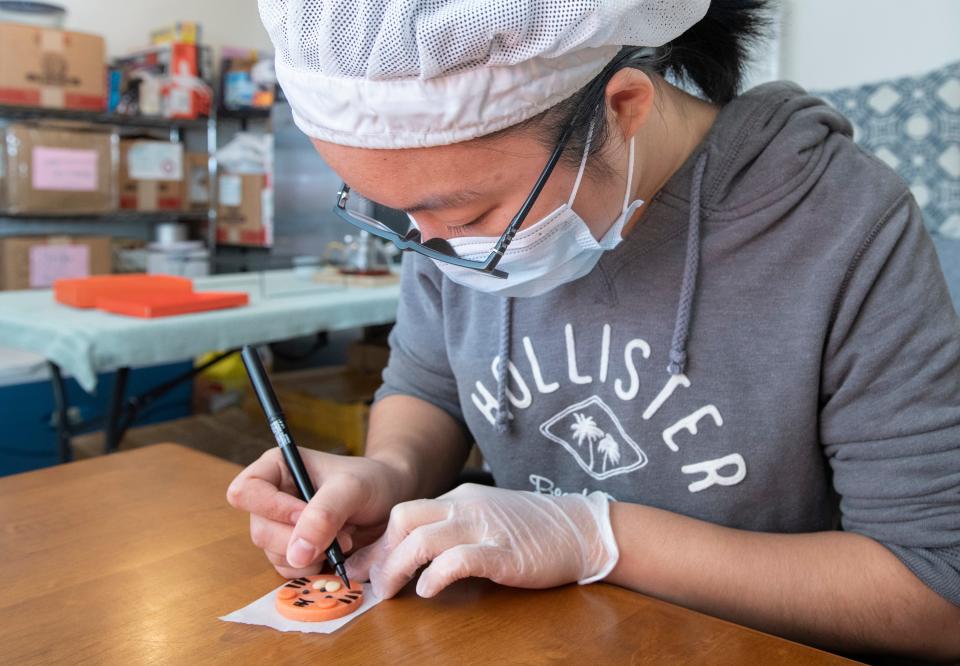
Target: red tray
x=86 y=292
x=153 y=305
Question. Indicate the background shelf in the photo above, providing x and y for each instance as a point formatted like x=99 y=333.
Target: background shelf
x=125 y=224
x=36 y=113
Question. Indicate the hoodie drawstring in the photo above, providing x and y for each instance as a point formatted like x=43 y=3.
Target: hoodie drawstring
x=681 y=328
x=506 y=328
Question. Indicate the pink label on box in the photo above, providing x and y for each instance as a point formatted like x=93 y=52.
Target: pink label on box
x=56 y=262
x=64 y=169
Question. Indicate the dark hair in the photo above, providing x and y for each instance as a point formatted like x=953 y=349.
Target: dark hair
x=713 y=56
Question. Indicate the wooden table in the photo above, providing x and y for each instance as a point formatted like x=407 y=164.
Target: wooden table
x=131 y=558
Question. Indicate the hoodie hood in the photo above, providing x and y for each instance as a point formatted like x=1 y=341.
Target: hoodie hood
x=739 y=167
x=762 y=148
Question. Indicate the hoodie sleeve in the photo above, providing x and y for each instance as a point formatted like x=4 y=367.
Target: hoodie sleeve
x=418 y=364
x=890 y=406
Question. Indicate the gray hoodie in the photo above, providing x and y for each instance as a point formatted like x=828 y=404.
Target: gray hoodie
x=772 y=348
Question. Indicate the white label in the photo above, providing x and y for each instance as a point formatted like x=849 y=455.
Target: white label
x=178 y=101
x=52 y=41
x=231 y=190
x=198 y=188
x=266 y=214
x=155 y=160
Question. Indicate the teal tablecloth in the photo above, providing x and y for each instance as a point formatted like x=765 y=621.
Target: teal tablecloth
x=282 y=305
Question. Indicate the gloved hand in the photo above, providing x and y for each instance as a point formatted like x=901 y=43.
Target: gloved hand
x=512 y=537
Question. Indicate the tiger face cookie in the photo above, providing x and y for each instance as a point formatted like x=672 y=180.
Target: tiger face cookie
x=318 y=598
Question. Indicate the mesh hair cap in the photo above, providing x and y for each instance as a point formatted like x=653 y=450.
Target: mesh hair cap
x=415 y=73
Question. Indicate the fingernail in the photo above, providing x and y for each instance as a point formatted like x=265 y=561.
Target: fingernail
x=301 y=553
x=422 y=590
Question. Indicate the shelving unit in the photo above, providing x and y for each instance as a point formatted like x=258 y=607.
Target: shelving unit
x=121 y=223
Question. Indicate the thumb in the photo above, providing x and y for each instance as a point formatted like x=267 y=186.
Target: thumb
x=335 y=502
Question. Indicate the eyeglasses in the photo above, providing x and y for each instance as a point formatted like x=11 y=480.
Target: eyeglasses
x=441 y=250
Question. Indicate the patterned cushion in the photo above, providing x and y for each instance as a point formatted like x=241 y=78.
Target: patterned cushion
x=913 y=124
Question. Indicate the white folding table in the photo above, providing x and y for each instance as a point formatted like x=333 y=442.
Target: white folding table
x=82 y=343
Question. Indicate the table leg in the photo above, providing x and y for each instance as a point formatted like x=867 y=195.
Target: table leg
x=130 y=409
x=113 y=432
x=61 y=416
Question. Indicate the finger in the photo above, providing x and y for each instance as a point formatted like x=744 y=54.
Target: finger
x=257 y=490
x=323 y=518
x=345 y=539
x=407 y=516
x=389 y=574
x=455 y=563
x=404 y=518
x=269 y=534
x=273 y=536
x=279 y=562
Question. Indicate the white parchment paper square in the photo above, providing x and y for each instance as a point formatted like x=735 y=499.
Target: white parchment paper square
x=264 y=612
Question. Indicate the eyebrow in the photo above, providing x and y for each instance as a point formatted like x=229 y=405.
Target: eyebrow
x=445 y=200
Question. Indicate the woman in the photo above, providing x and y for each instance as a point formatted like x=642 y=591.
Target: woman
x=691 y=335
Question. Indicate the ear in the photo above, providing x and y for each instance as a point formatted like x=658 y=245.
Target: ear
x=630 y=95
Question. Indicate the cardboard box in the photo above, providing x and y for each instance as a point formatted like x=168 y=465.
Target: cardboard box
x=184 y=32
x=231 y=434
x=245 y=211
x=196 y=182
x=28 y=262
x=150 y=177
x=55 y=170
x=330 y=403
x=51 y=68
x=368 y=356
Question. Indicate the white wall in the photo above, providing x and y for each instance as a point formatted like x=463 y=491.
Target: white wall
x=836 y=43
x=824 y=43
x=126 y=24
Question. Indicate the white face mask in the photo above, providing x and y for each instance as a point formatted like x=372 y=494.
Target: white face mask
x=558 y=249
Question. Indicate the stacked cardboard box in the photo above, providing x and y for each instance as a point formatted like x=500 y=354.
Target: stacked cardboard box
x=51 y=169
x=51 y=68
x=28 y=262
x=331 y=403
x=245 y=213
x=196 y=182
x=151 y=175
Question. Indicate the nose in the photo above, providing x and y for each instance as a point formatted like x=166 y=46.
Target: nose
x=427 y=230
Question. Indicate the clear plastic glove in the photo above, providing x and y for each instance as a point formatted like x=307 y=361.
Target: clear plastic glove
x=512 y=537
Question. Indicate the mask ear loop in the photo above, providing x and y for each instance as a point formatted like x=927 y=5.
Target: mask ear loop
x=583 y=166
x=626 y=195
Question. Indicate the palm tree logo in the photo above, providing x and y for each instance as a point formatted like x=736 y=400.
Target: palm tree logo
x=610 y=449
x=591 y=433
x=585 y=428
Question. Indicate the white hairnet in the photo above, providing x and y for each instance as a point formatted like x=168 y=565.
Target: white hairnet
x=406 y=73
